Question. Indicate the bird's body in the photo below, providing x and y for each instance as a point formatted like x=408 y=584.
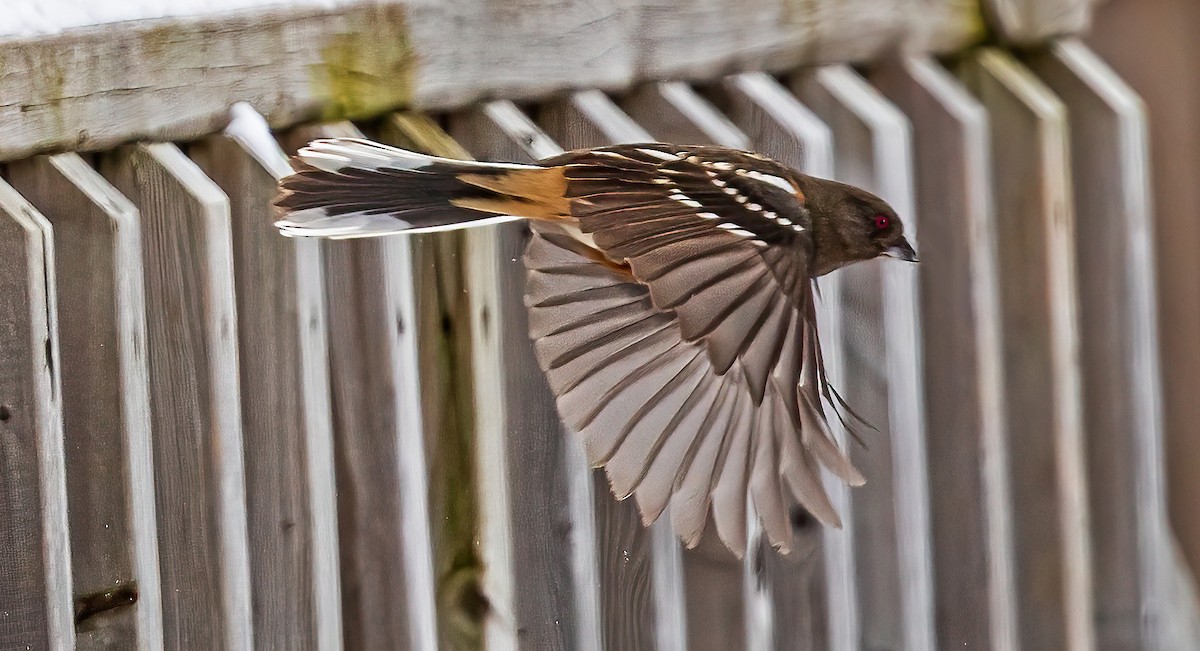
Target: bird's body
x=670 y=301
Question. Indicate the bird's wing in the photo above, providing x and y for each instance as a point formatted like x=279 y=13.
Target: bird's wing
x=685 y=348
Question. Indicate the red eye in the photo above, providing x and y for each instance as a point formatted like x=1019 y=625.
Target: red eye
x=882 y=222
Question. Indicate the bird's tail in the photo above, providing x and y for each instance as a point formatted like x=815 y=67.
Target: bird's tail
x=349 y=188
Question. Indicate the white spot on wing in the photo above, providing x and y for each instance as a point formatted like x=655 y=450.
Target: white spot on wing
x=660 y=155
x=777 y=181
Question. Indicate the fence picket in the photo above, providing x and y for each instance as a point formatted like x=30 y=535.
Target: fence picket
x=1035 y=230
x=969 y=491
x=291 y=503
x=383 y=526
x=883 y=371
x=106 y=415
x=35 y=560
x=195 y=420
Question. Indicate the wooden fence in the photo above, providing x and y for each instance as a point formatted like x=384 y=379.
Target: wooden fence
x=215 y=437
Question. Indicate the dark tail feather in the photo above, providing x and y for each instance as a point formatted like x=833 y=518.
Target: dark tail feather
x=349 y=188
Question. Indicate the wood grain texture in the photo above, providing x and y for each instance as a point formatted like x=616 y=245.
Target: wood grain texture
x=195 y=414
x=93 y=88
x=884 y=373
x=970 y=513
x=549 y=481
x=641 y=576
x=286 y=421
x=35 y=560
x=1026 y=22
x=812 y=588
x=1119 y=347
x=1043 y=392
x=1151 y=46
x=443 y=332
x=106 y=415
x=386 y=561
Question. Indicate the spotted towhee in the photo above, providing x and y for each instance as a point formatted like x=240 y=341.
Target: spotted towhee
x=670 y=304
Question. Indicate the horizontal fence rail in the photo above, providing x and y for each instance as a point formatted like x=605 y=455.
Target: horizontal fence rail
x=215 y=437
x=172 y=79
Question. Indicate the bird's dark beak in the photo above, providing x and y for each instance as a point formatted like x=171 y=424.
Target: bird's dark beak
x=901 y=250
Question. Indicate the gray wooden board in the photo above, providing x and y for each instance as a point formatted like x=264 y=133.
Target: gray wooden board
x=641 y=578
x=969 y=493
x=726 y=610
x=106 y=415
x=554 y=549
x=1043 y=392
x=1027 y=22
x=812 y=588
x=94 y=87
x=1119 y=347
x=35 y=561
x=383 y=533
x=1152 y=48
x=286 y=422
x=442 y=329
x=195 y=414
x=884 y=375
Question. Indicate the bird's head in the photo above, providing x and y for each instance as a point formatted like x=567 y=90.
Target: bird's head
x=851 y=225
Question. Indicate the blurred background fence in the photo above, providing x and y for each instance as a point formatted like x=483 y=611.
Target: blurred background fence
x=215 y=437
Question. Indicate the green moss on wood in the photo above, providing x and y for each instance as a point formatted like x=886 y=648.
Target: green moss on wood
x=360 y=76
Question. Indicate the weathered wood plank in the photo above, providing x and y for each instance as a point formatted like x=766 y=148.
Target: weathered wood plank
x=196 y=428
x=884 y=375
x=970 y=513
x=702 y=39
x=1026 y=22
x=1119 y=347
x=1043 y=392
x=93 y=88
x=729 y=602
x=1181 y=625
x=1153 y=49
x=106 y=414
x=35 y=559
x=555 y=566
x=443 y=333
x=641 y=575
x=674 y=112
x=383 y=533
x=286 y=420
x=812 y=588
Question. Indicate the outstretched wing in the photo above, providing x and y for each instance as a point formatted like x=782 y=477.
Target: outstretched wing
x=683 y=347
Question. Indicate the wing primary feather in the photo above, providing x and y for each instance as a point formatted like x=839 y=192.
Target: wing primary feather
x=764 y=482
x=666 y=464
x=697 y=473
x=802 y=475
x=648 y=428
x=596 y=364
x=729 y=495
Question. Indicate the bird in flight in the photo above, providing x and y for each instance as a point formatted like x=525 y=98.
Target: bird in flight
x=670 y=297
